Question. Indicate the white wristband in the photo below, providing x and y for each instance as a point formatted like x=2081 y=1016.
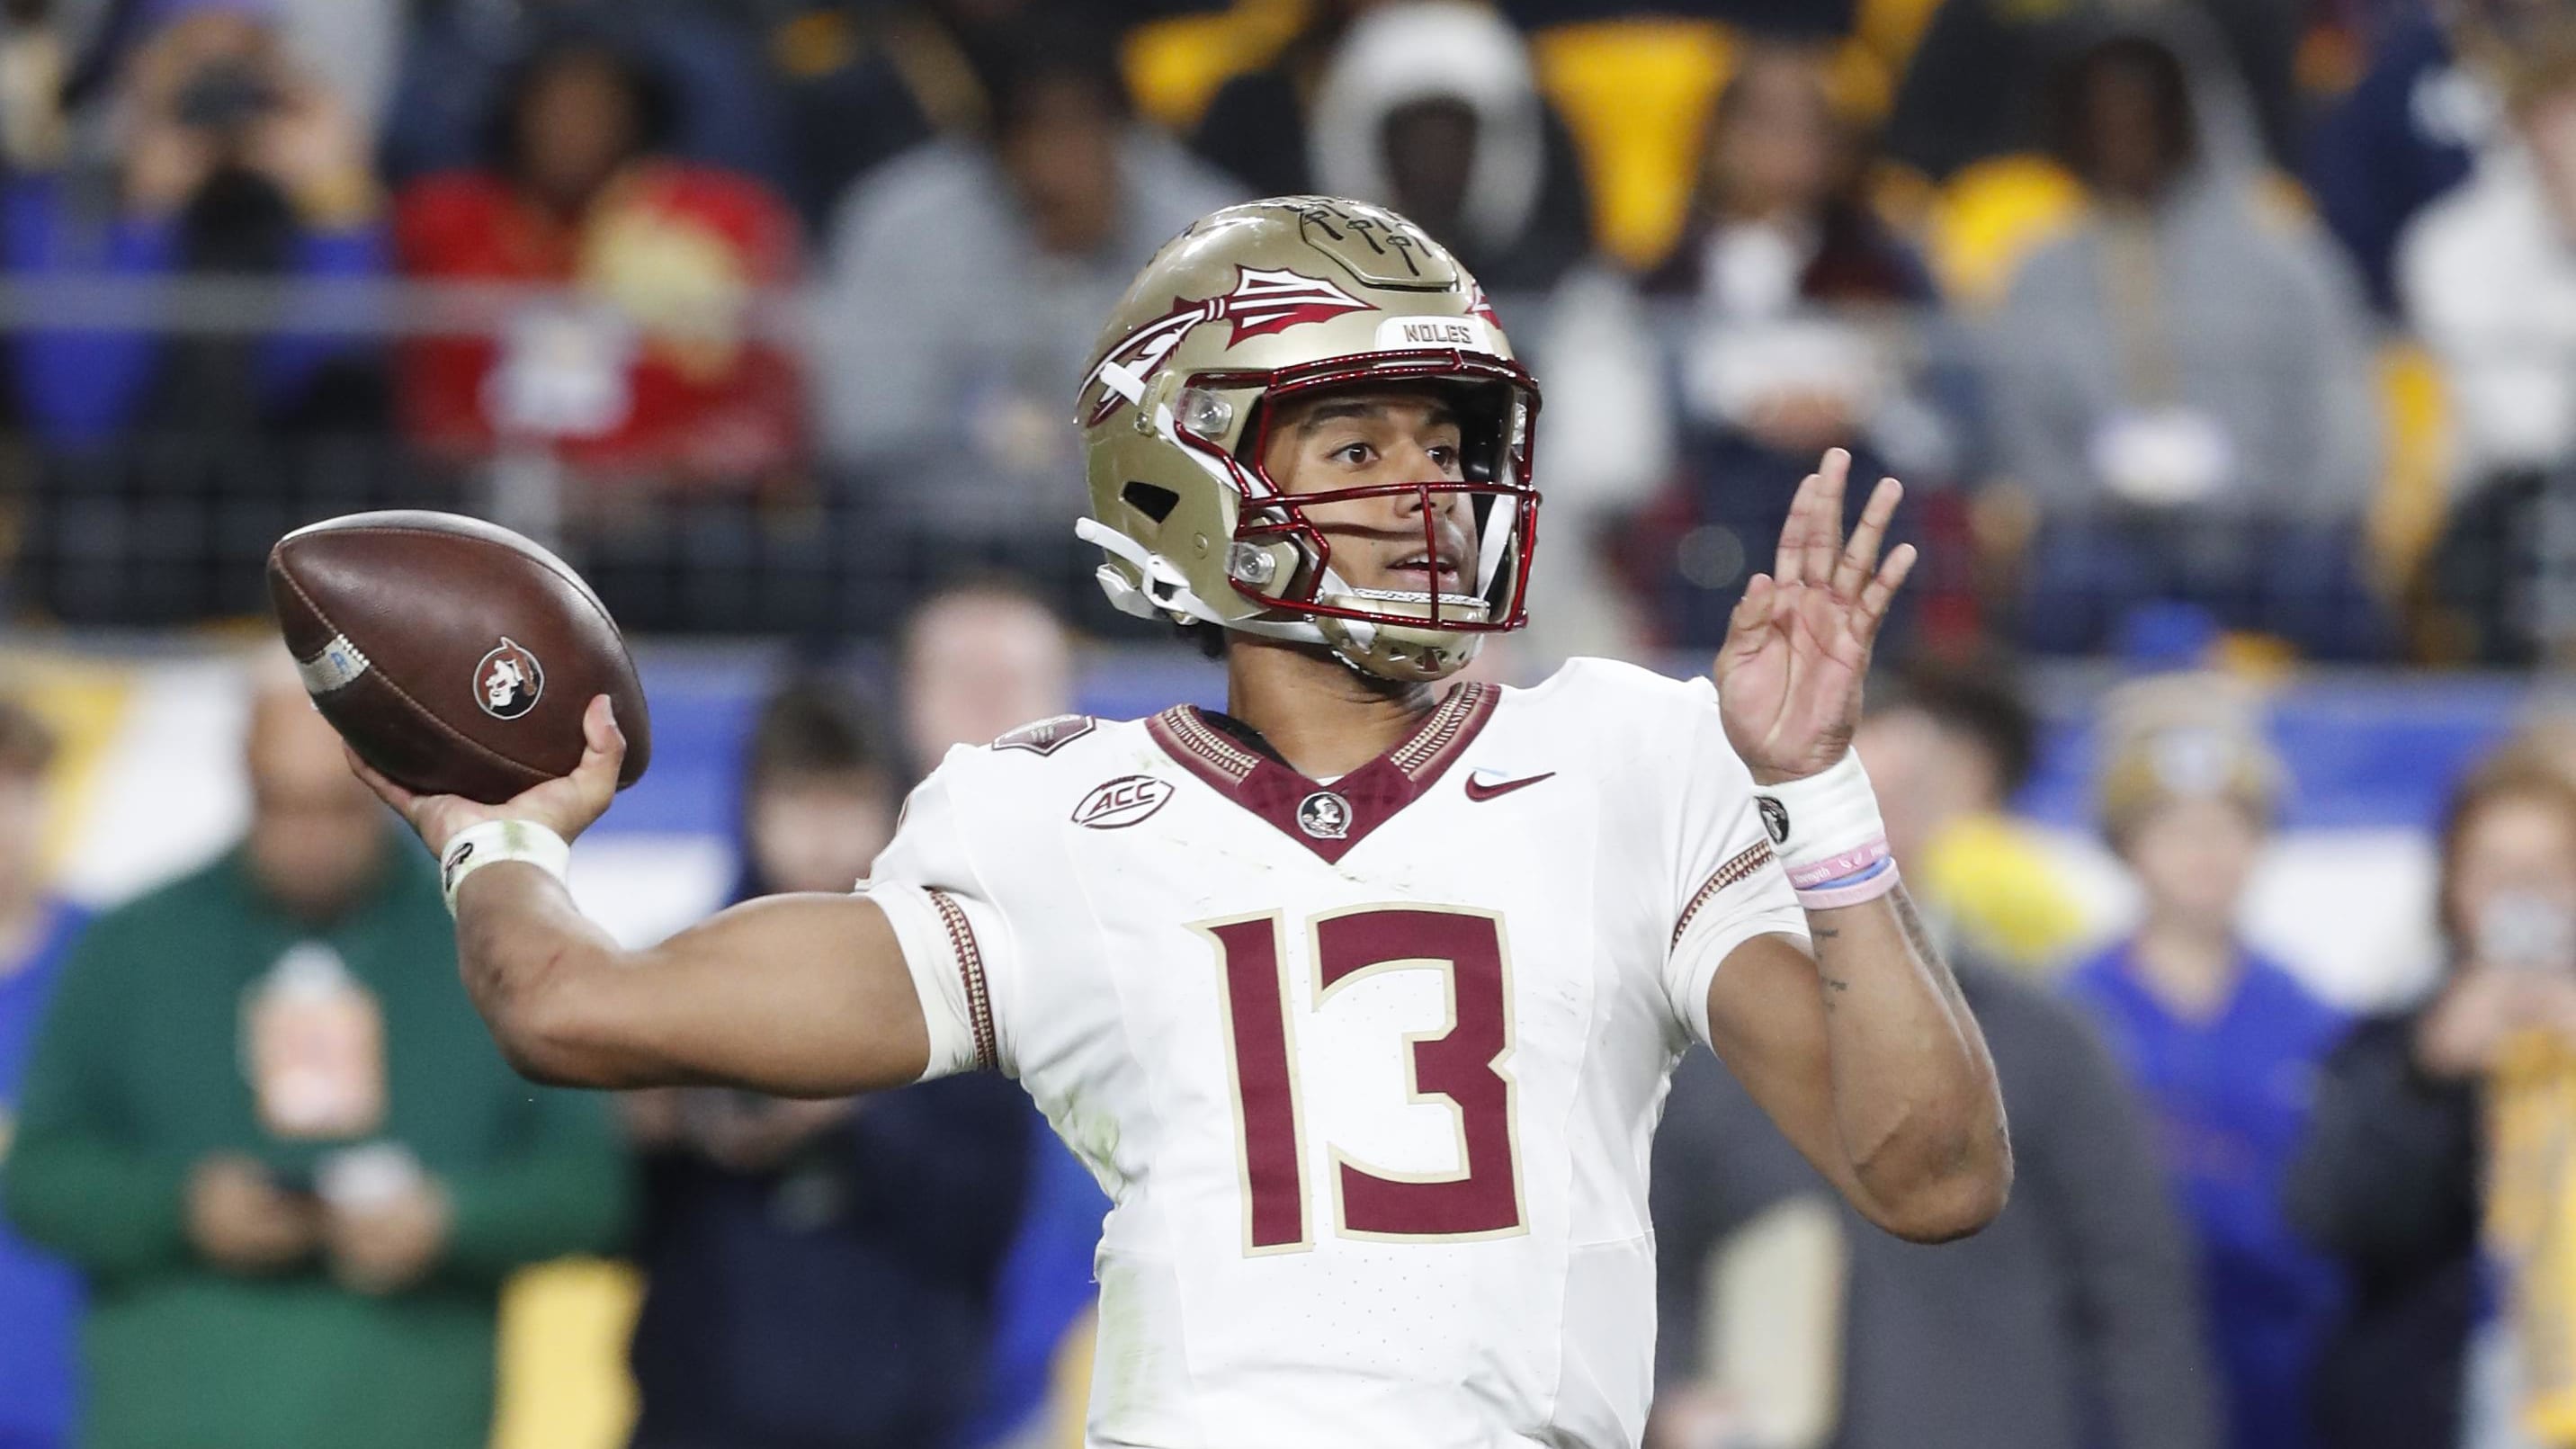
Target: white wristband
x=495 y=841
x=1829 y=836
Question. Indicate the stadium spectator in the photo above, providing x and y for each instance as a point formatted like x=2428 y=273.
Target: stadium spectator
x=820 y=1274
x=651 y=364
x=1431 y=107
x=863 y=83
x=1254 y=127
x=1976 y=84
x=459 y=56
x=262 y=1120
x=39 y=1296
x=967 y=277
x=231 y=160
x=2488 y=279
x=2068 y=1321
x=2440 y=1142
x=2182 y=383
x=1800 y=305
x=978 y=659
x=2222 y=1041
x=2400 y=139
x=1947 y=748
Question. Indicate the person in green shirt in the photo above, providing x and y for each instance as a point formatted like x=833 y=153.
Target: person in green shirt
x=263 y=1120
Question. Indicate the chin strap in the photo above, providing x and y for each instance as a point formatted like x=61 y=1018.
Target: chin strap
x=1168 y=595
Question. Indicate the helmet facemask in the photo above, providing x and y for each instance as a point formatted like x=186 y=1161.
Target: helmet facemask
x=1280 y=556
x=1271 y=301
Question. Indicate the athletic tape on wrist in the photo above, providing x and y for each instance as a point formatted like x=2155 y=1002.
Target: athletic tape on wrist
x=1830 y=839
x=495 y=841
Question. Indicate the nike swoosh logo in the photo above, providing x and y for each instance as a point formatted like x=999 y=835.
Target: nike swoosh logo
x=1476 y=790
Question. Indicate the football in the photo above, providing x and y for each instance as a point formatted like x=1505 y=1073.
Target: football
x=454 y=655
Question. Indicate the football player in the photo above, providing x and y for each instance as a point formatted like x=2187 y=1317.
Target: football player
x=1360 y=997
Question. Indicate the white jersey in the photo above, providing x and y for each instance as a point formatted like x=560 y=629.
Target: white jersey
x=1370 y=1070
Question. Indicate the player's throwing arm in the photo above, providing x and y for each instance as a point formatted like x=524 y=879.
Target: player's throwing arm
x=1865 y=1055
x=481 y=687
x=800 y=995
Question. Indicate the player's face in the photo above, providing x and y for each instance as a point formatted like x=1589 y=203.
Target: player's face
x=2193 y=858
x=1356 y=438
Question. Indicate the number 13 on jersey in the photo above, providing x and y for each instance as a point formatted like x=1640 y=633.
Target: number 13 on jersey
x=1460 y=1066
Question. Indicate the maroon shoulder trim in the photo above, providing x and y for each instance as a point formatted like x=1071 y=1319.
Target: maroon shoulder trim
x=1210 y=755
x=970 y=966
x=1739 y=867
x=1445 y=733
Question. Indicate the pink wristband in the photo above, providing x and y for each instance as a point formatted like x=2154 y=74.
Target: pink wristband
x=1852 y=890
x=1816 y=874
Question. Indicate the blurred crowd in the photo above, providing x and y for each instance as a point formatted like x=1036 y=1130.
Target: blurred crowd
x=2179 y=316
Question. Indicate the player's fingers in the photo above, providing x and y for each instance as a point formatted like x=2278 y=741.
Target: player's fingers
x=603 y=747
x=1874 y=600
x=1787 y=563
x=1859 y=557
x=1824 y=531
x=1751 y=621
x=395 y=795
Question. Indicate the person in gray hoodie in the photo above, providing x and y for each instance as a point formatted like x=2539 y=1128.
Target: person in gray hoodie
x=965 y=281
x=2070 y=1321
x=2181 y=383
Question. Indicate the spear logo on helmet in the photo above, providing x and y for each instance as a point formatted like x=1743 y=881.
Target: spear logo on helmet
x=1262 y=302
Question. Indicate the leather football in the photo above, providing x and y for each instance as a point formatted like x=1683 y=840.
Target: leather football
x=454 y=655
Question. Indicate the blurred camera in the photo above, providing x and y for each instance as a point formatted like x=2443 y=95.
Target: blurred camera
x=225 y=96
x=2528 y=932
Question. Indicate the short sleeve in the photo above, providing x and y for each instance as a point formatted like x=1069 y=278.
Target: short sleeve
x=1726 y=885
x=955 y=940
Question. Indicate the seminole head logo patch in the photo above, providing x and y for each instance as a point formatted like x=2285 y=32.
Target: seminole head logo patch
x=508 y=680
x=1324 y=816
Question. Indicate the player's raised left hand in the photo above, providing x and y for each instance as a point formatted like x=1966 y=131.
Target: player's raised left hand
x=1789 y=676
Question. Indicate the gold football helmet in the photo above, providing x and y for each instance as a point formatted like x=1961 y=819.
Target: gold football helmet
x=1264 y=301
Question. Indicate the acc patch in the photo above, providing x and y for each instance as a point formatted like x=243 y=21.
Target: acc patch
x=509 y=680
x=1048 y=735
x=1117 y=804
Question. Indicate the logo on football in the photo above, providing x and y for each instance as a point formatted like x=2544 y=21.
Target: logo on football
x=1324 y=815
x=508 y=681
x=1122 y=802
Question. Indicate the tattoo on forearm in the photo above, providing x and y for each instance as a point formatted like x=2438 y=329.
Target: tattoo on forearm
x=1834 y=987
x=1919 y=936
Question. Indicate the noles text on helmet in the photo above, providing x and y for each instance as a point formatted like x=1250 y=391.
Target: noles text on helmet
x=1248 y=316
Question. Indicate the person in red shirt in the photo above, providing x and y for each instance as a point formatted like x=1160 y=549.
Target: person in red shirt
x=647 y=363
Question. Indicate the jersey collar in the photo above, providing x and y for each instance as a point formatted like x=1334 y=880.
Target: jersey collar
x=1367 y=797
